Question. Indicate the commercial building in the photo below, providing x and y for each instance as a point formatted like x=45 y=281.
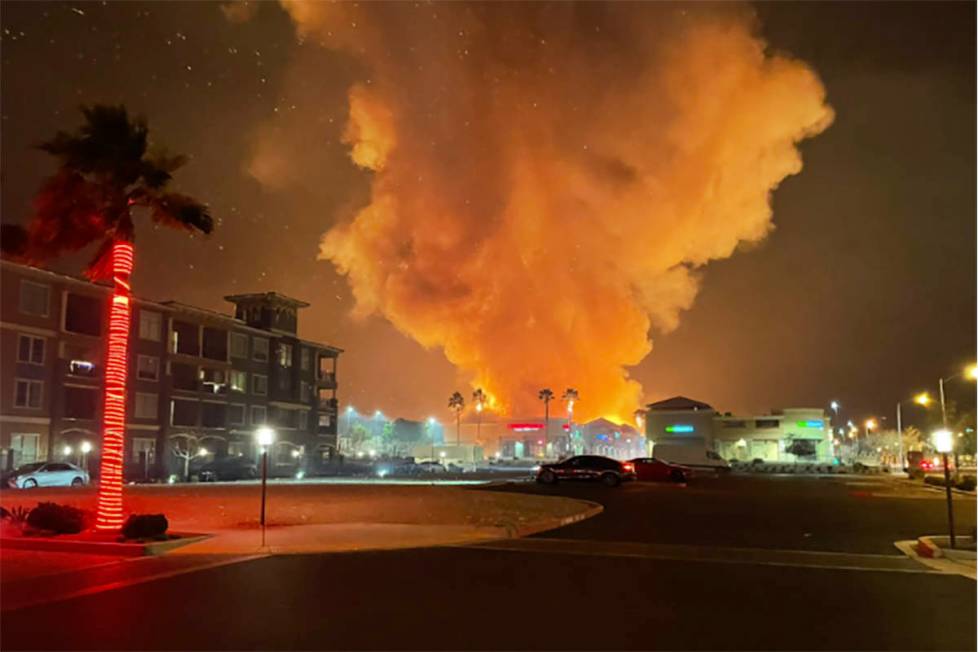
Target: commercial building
x=786 y=435
x=200 y=382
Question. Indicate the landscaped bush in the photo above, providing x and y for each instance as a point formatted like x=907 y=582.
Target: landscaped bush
x=60 y=519
x=966 y=483
x=145 y=526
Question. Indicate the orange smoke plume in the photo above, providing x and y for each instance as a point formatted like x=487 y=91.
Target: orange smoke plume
x=548 y=178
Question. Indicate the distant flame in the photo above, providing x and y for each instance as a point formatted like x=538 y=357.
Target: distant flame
x=548 y=178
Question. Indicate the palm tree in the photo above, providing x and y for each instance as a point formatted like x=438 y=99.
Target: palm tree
x=479 y=398
x=570 y=396
x=457 y=402
x=546 y=395
x=105 y=171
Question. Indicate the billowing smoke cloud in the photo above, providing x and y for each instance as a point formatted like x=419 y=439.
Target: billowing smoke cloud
x=548 y=178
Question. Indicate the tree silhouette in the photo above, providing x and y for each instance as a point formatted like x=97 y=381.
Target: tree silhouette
x=106 y=171
x=546 y=395
x=457 y=402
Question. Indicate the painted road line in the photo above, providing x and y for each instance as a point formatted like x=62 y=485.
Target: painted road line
x=946 y=566
x=750 y=556
x=14 y=599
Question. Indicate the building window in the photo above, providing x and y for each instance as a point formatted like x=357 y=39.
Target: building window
x=81 y=368
x=143 y=448
x=259 y=384
x=81 y=403
x=150 y=325
x=239 y=345
x=147 y=367
x=214 y=415
x=261 y=349
x=285 y=383
x=303 y=419
x=147 y=406
x=285 y=355
x=236 y=414
x=239 y=449
x=27 y=393
x=213 y=380
x=34 y=298
x=734 y=424
x=183 y=413
x=24 y=446
x=258 y=415
x=766 y=423
x=83 y=315
x=215 y=344
x=306 y=359
x=184 y=376
x=30 y=349
x=239 y=381
x=325 y=420
x=183 y=338
x=305 y=391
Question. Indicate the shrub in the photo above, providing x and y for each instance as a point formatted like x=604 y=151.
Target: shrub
x=145 y=526
x=967 y=483
x=60 y=519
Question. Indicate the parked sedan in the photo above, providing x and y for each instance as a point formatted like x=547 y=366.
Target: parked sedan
x=650 y=469
x=48 y=474
x=587 y=467
x=225 y=469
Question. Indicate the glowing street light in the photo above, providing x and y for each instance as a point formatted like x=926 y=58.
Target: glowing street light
x=265 y=437
x=66 y=451
x=923 y=398
x=943 y=441
x=835 y=407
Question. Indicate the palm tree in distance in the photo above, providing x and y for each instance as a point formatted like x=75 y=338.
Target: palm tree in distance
x=106 y=170
x=479 y=398
x=546 y=395
x=457 y=402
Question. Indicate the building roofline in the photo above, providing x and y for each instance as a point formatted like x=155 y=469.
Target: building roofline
x=273 y=297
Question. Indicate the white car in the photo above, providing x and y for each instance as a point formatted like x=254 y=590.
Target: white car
x=48 y=474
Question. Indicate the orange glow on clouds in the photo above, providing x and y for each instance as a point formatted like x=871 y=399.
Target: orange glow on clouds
x=548 y=180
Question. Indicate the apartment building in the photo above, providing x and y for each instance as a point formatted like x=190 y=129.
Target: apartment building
x=200 y=381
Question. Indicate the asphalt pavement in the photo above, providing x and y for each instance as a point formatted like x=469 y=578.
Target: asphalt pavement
x=727 y=563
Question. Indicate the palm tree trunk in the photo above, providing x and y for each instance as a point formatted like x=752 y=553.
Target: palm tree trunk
x=109 y=512
x=546 y=426
x=458 y=428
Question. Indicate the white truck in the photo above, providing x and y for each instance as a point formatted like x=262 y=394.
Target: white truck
x=695 y=455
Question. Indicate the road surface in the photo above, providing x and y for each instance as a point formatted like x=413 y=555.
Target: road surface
x=727 y=563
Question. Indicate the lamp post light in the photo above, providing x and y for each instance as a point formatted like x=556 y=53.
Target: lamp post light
x=971 y=373
x=944 y=441
x=265 y=437
x=431 y=431
x=85 y=448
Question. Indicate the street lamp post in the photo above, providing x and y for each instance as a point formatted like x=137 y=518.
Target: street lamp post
x=85 y=448
x=970 y=372
x=943 y=442
x=265 y=438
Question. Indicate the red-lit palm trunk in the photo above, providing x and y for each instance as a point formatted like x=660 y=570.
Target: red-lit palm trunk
x=109 y=513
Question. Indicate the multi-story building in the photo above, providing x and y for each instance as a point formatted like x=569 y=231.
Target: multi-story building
x=786 y=435
x=200 y=382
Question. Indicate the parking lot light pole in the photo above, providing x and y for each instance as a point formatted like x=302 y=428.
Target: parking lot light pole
x=943 y=442
x=265 y=438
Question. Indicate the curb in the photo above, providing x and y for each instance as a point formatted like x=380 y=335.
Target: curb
x=516 y=532
x=926 y=547
x=108 y=548
x=954 y=490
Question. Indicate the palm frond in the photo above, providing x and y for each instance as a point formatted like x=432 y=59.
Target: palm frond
x=109 y=144
x=69 y=214
x=182 y=212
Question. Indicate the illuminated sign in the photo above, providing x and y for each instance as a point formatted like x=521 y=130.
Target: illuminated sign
x=680 y=427
x=811 y=423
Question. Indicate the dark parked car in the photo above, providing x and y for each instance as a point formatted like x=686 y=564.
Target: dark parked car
x=225 y=469
x=652 y=470
x=587 y=467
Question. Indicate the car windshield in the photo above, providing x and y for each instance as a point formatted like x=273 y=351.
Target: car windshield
x=27 y=468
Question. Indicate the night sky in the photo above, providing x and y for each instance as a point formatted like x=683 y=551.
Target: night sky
x=864 y=292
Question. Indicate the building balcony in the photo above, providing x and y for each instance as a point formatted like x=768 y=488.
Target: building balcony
x=328 y=405
x=326 y=379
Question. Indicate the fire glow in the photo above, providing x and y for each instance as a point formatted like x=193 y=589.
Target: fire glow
x=542 y=199
x=109 y=512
